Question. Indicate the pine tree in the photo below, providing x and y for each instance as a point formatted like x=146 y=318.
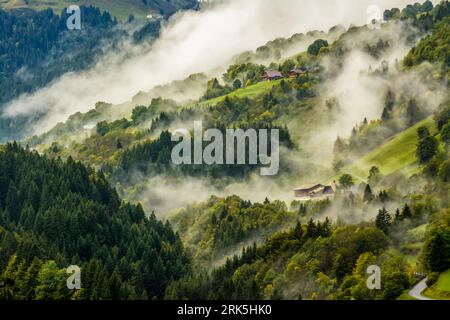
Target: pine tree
x=426 y=149
x=398 y=216
x=298 y=230
x=383 y=196
x=406 y=212
x=386 y=115
x=383 y=220
x=368 y=196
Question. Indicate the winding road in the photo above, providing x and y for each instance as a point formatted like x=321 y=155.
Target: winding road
x=416 y=291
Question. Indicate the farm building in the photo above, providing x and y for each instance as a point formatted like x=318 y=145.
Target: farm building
x=272 y=75
x=316 y=191
x=294 y=73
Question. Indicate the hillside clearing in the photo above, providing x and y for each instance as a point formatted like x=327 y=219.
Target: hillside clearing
x=397 y=154
x=249 y=92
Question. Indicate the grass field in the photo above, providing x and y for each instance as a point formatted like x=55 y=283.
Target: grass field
x=441 y=289
x=443 y=283
x=250 y=92
x=398 y=154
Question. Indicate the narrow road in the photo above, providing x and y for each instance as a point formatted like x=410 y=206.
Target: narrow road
x=416 y=291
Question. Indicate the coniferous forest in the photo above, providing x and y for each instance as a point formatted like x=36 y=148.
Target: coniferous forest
x=55 y=214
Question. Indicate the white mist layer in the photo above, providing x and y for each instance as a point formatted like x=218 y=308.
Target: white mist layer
x=191 y=42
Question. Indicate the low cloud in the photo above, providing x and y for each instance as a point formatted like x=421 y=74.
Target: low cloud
x=190 y=42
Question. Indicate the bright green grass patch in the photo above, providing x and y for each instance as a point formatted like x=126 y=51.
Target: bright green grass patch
x=249 y=92
x=398 y=154
x=441 y=289
x=443 y=283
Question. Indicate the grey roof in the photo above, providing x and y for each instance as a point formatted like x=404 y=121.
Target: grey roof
x=309 y=186
x=273 y=73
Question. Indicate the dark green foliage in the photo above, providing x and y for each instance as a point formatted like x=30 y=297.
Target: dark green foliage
x=215 y=89
x=406 y=212
x=383 y=220
x=395 y=284
x=433 y=48
x=243 y=73
x=152 y=156
x=423 y=132
x=301 y=253
x=386 y=115
x=43 y=31
x=445 y=134
x=315 y=47
x=346 y=181
x=383 y=196
x=224 y=285
x=104 y=127
x=54 y=214
x=368 y=195
x=149 y=32
x=237 y=84
x=36 y=48
x=437 y=250
x=442 y=115
x=426 y=149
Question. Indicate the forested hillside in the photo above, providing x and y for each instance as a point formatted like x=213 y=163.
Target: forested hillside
x=24 y=70
x=34 y=50
x=37 y=48
x=54 y=214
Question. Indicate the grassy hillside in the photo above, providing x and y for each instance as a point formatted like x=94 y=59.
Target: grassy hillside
x=250 y=92
x=441 y=289
x=398 y=154
x=119 y=8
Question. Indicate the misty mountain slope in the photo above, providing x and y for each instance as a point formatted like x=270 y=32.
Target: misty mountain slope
x=302 y=106
x=397 y=154
x=194 y=86
x=353 y=104
x=78 y=127
x=121 y=9
x=221 y=227
x=434 y=48
x=390 y=143
x=36 y=48
x=54 y=214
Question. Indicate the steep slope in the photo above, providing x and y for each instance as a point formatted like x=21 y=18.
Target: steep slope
x=36 y=48
x=54 y=214
x=398 y=154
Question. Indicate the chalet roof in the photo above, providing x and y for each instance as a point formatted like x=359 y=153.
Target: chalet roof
x=273 y=73
x=309 y=187
x=328 y=190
